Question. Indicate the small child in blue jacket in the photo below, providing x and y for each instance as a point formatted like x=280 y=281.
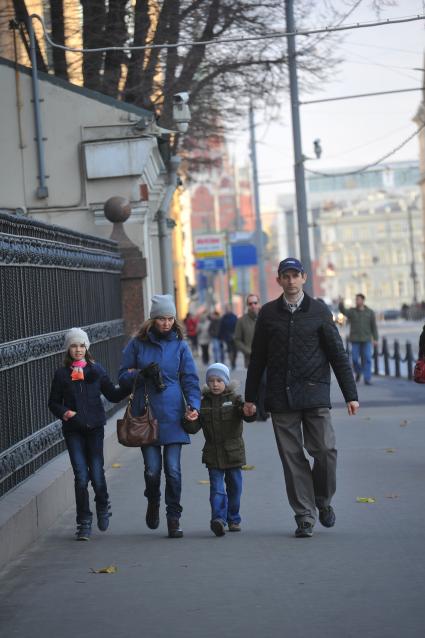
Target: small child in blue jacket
x=75 y=397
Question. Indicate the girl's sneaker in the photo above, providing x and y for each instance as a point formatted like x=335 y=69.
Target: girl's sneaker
x=83 y=532
x=103 y=517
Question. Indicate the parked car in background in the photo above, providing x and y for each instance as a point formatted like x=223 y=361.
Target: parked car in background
x=338 y=317
x=391 y=314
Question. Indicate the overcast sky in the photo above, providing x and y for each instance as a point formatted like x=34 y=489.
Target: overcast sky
x=358 y=131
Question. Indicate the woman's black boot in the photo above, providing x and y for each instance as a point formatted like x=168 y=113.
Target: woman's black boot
x=174 y=529
x=152 y=515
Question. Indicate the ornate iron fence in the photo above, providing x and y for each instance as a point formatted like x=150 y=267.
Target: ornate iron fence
x=51 y=279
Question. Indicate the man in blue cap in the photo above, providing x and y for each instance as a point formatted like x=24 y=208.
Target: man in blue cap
x=297 y=341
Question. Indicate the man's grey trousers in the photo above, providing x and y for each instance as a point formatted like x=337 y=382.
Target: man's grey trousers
x=307 y=487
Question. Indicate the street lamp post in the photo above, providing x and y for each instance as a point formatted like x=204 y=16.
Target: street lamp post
x=259 y=241
x=298 y=155
x=413 y=273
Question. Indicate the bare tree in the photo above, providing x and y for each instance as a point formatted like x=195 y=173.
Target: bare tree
x=221 y=77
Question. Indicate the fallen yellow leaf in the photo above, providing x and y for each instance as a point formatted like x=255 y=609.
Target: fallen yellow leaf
x=116 y=465
x=204 y=482
x=111 y=569
x=365 y=499
x=248 y=467
x=390 y=450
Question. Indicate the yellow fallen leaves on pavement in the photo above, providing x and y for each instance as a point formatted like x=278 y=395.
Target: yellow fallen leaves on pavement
x=111 y=569
x=248 y=467
x=390 y=450
x=365 y=499
x=116 y=465
x=204 y=482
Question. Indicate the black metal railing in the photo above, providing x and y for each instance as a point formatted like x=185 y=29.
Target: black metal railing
x=395 y=364
x=51 y=279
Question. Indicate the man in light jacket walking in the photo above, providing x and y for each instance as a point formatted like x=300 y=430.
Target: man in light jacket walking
x=244 y=334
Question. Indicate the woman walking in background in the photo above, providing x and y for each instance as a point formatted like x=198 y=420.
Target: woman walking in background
x=204 y=337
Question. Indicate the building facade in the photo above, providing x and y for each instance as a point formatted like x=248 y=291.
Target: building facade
x=93 y=147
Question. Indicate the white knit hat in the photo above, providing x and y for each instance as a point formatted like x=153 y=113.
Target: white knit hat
x=162 y=306
x=76 y=336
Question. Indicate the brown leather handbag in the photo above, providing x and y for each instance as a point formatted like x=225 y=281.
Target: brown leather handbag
x=134 y=431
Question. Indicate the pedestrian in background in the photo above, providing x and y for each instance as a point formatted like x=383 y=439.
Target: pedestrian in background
x=217 y=344
x=297 y=340
x=224 y=450
x=363 y=336
x=162 y=360
x=76 y=399
x=421 y=354
x=244 y=334
x=191 y=325
x=226 y=334
x=204 y=337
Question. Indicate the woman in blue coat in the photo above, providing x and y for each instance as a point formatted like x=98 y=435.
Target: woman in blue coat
x=162 y=362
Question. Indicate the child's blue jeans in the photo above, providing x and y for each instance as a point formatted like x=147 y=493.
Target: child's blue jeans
x=85 y=448
x=225 y=494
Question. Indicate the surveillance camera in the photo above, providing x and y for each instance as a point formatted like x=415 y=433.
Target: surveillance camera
x=181 y=111
x=181 y=98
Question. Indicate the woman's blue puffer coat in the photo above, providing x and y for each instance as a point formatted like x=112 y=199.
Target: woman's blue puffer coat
x=180 y=378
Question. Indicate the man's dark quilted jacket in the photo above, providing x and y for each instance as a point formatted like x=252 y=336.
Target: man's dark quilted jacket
x=297 y=348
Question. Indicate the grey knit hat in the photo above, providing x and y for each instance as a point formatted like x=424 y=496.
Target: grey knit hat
x=77 y=336
x=218 y=370
x=162 y=306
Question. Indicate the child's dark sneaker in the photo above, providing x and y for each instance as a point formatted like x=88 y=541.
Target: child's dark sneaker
x=83 y=532
x=217 y=526
x=103 y=517
x=327 y=516
x=304 y=530
x=152 y=515
x=234 y=527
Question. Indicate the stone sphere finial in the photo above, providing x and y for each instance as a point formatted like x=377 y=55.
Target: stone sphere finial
x=117 y=209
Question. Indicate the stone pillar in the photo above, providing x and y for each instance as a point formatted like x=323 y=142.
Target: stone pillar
x=117 y=210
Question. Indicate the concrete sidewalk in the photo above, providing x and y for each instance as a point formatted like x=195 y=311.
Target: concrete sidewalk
x=364 y=577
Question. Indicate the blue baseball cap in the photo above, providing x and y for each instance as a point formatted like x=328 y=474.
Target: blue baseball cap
x=290 y=263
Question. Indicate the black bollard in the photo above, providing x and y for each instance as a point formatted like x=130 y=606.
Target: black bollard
x=397 y=358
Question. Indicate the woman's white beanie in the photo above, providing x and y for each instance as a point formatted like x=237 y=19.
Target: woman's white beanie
x=77 y=336
x=162 y=306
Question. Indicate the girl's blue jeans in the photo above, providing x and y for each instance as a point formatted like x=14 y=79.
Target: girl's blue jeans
x=225 y=494
x=85 y=448
x=173 y=478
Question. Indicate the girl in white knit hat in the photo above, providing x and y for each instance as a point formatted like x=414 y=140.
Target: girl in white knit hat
x=75 y=398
